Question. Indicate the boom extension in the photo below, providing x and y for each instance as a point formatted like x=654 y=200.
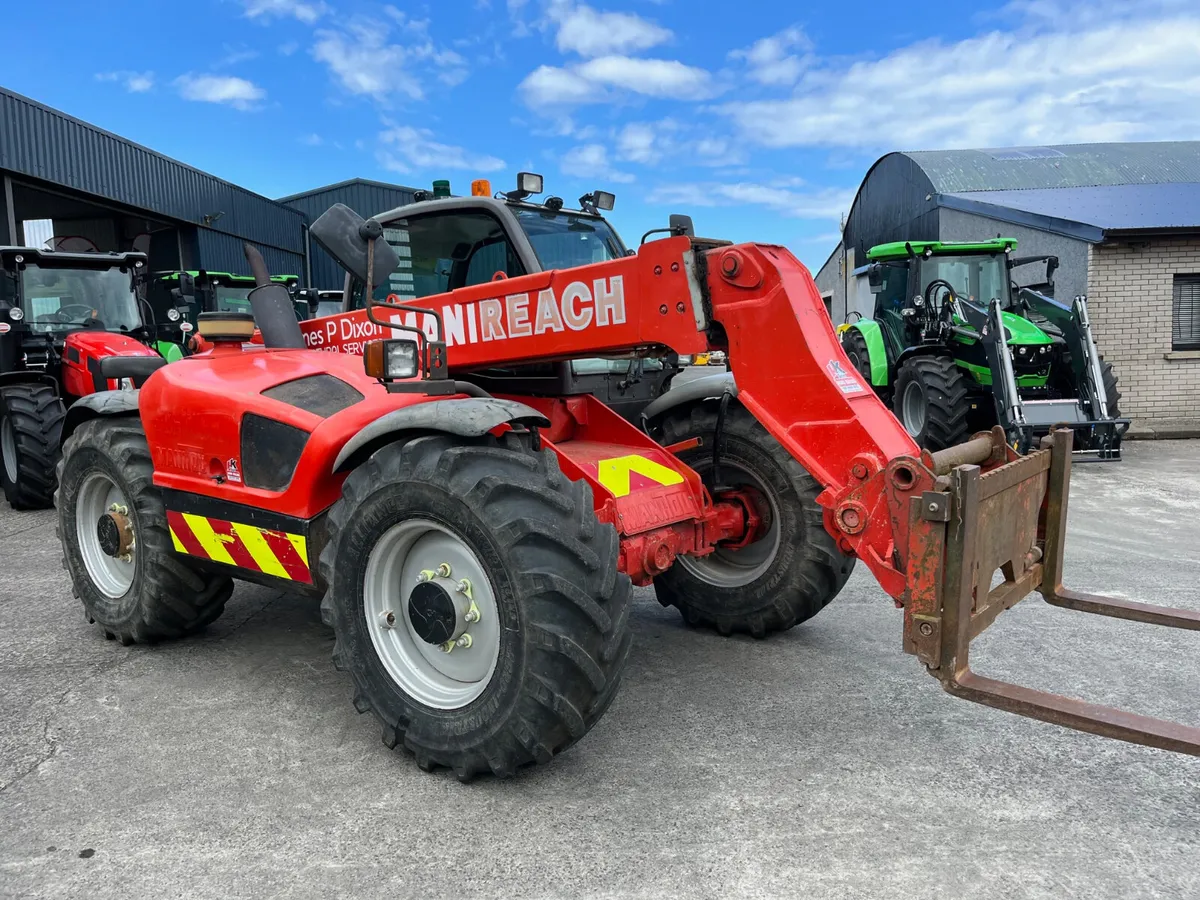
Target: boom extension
x=933 y=529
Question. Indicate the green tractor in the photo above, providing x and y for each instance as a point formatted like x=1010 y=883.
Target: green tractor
x=177 y=298
x=956 y=346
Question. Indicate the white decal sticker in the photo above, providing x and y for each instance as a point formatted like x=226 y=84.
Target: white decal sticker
x=846 y=382
x=232 y=473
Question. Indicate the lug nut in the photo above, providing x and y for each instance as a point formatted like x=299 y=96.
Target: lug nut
x=463 y=587
x=387 y=619
x=423 y=576
x=443 y=570
x=472 y=615
x=464 y=641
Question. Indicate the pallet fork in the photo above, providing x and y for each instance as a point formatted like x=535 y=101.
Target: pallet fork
x=1013 y=518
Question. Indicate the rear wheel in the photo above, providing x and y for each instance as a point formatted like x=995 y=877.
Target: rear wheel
x=793 y=569
x=855 y=347
x=932 y=401
x=1109 y=377
x=476 y=602
x=117 y=546
x=31 y=417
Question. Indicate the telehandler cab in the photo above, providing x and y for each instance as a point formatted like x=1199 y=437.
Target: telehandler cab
x=474 y=552
x=71 y=323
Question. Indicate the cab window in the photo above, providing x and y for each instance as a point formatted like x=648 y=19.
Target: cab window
x=442 y=252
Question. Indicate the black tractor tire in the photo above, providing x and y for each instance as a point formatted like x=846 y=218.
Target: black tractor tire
x=771 y=585
x=563 y=607
x=31 y=417
x=946 y=406
x=855 y=347
x=1109 y=377
x=166 y=596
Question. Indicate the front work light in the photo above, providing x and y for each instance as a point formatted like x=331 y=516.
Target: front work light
x=173 y=314
x=604 y=200
x=391 y=360
x=529 y=183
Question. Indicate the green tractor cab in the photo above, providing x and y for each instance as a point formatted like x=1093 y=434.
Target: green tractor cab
x=177 y=298
x=956 y=346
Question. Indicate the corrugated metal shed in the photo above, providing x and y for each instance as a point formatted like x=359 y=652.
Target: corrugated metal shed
x=1060 y=166
x=367 y=198
x=49 y=145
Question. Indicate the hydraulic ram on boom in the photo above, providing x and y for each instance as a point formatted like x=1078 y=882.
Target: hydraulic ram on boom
x=932 y=528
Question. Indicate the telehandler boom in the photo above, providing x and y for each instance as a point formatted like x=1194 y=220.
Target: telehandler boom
x=475 y=552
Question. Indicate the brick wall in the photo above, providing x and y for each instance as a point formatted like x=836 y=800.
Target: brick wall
x=1129 y=298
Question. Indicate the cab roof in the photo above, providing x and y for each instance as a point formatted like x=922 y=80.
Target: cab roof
x=66 y=259
x=904 y=249
x=223 y=276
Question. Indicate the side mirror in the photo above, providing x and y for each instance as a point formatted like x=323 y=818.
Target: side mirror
x=682 y=225
x=345 y=236
x=187 y=286
x=875 y=277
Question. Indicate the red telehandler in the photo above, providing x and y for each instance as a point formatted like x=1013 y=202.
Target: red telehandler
x=474 y=552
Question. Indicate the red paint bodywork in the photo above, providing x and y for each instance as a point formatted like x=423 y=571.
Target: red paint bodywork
x=92 y=346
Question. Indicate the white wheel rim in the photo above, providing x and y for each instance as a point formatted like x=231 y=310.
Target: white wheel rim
x=913 y=406
x=8 y=446
x=423 y=670
x=97 y=496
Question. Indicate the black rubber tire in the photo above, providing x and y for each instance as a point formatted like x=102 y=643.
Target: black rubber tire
x=807 y=571
x=1109 y=377
x=168 y=597
x=36 y=414
x=947 y=400
x=855 y=347
x=553 y=568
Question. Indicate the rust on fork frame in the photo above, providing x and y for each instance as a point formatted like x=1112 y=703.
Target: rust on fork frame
x=1012 y=519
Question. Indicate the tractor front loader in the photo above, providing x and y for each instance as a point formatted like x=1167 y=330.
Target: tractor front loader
x=474 y=552
x=957 y=347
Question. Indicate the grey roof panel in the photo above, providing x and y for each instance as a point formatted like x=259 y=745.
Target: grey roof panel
x=1060 y=166
x=1123 y=207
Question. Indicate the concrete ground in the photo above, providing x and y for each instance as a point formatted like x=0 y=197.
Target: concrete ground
x=819 y=763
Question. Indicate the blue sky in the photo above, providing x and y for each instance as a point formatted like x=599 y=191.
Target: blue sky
x=759 y=119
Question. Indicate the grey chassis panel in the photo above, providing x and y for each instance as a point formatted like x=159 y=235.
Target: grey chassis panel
x=102 y=403
x=470 y=417
x=706 y=387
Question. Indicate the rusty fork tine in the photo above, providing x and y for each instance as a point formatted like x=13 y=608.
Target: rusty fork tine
x=1077 y=714
x=1124 y=609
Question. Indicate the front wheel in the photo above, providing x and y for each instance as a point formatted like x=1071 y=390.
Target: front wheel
x=932 y=401
x=31 y=419
x=476 y=602
x=791 y=571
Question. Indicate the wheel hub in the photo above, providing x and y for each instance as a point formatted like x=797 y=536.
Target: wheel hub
x=435 y=615
x=114 y=532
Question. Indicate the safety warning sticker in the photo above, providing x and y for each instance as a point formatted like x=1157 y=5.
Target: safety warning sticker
x=846 y=382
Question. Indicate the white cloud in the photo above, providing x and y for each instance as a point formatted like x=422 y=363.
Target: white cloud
x=406 y=149
x=312 y=140
x=820 y=203
x=590 y=161
x=583 y=30
x=306 y=11
x=362 y=60
x=236 y=92
x=1130 y=79
x=769 y=60
x=670 y=142
x=135 y=82
x=601 y=79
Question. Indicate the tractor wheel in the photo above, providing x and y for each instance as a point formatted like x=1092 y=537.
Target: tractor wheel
x=475 y=601
x=117 y=545
x=786 y=576
x=31 y=418
x=932 y=401
x=855 y=347
x=1109 y=377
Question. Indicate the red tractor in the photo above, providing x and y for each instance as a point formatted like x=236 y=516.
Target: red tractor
x=65 y=317
x=474 y=552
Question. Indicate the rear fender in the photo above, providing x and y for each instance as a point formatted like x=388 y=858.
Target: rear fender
x=876 y=351
x=469 y=417
x=27 y=377
x=930 y=350
x=101 y=403
x=706 y=387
